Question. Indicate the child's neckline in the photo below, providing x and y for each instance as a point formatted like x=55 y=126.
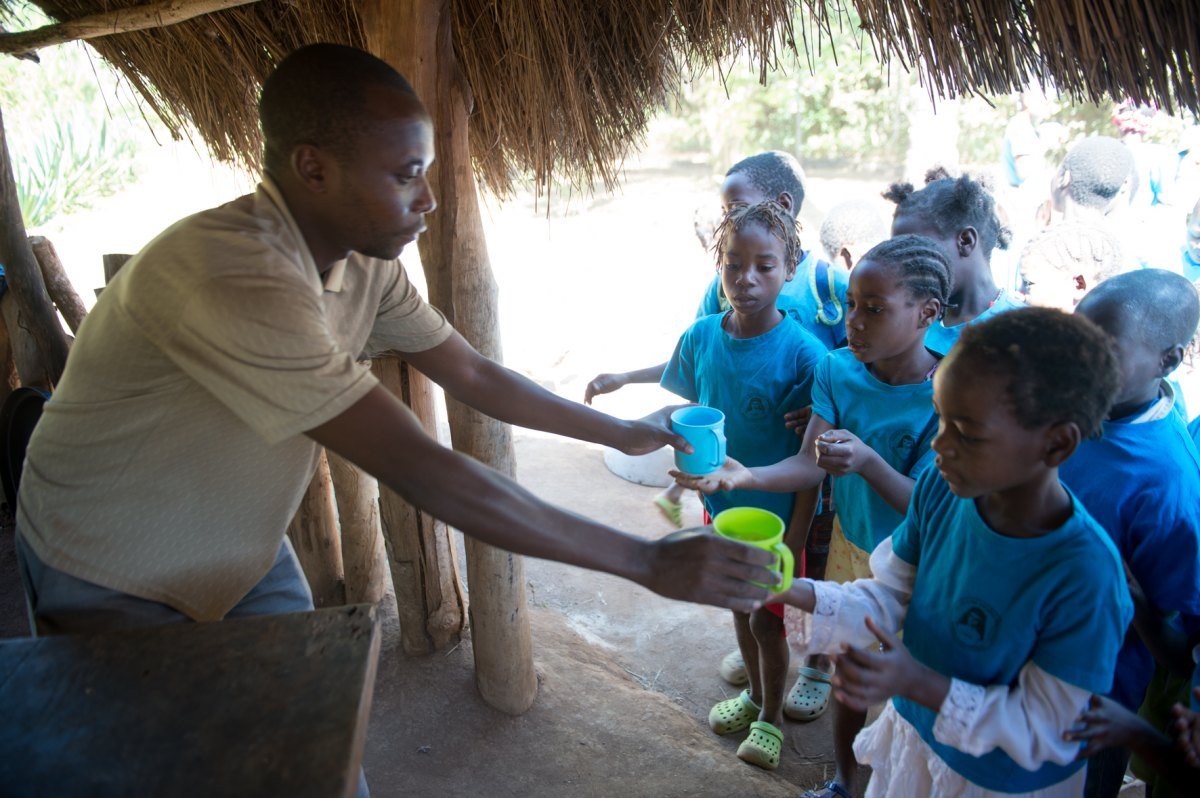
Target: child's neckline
x=727 y=320
x=928 y=377
x=1034 y=533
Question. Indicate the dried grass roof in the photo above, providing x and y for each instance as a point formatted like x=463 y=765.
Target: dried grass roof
x=566 y=88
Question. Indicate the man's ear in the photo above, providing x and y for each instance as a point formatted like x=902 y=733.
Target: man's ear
x=310 y=165
x=1061 y=441
x=967 y=240
x=1170 y=359
x=788 y=202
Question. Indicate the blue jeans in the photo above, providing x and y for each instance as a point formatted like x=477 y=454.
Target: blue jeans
x=60 y=604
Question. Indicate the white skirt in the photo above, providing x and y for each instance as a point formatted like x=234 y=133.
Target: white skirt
x=904 y=766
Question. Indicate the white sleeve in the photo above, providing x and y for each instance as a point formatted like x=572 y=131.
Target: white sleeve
x=1026 y=721
x=838 y=618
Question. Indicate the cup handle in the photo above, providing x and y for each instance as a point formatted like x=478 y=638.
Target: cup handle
x=787 y=564
x=718 y=460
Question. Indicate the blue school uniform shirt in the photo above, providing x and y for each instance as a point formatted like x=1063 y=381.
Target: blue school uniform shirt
x=1141 y=482
x=801 y=298
x=754 y=382
x=897 y=421
x=939 y=338
x=985 y=604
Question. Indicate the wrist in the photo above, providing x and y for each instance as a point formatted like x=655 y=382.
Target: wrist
x=925 y=686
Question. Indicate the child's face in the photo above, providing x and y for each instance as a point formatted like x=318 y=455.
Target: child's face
x=883 y=319
x=1047 y=286
x=981 y=448
x=753 y=270
x=737 y=192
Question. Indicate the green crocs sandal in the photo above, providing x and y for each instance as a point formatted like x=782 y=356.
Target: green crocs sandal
x=733 y=714
x=809 y=698
x=763 y=746
x=672 y=510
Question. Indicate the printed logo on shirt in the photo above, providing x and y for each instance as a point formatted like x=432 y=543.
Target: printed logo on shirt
x=975 y=624
x=902 y=444
x=755 y=407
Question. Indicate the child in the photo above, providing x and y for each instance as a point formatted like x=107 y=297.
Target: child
x=1011 y=598
x=850 y=229
x=753 y=363
x=1062 y=263
x=1141 y=479
x=960 y=215
x=871 y=426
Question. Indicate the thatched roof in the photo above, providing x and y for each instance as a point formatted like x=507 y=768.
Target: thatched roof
x=566 y=88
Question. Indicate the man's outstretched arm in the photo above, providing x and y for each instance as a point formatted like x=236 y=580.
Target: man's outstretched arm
x=382 y=436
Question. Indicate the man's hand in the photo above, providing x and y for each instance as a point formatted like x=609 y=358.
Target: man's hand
x=840 y=452
x=604 y=383
x=696 y=565
x=797 y=420
x=732 y=475
x=652 y=432
x=1106 y=724
x=865 y=678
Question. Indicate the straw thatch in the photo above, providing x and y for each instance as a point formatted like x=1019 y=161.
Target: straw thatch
x=563 y=88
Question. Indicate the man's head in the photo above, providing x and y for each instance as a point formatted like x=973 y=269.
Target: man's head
x=348 y=142
x=850 y=229
x=1095 y=172
x=1151 y=315
x=772 y=175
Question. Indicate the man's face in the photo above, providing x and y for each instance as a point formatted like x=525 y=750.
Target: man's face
x=380 y=192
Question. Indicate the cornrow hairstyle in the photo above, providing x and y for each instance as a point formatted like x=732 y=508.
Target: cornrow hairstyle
x=1059 y=366
x=1156 y=305
x=1099 y=166
x=851 y=222
x=772 y=217
x=773 y=172
x=952 y=204
x=1074 y=248
x=921 y=265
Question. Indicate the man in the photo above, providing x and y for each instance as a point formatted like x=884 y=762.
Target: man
x=161 y=479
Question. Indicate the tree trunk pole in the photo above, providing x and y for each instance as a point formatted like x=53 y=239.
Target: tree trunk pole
x=34 y=312
x=58 y=284
x=364 y=556
x=415 y=37
x=314 y=534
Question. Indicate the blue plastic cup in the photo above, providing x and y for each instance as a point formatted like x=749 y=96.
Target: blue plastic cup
x=704 y=428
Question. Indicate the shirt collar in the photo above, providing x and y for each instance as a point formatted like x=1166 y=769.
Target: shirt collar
x=336 y=274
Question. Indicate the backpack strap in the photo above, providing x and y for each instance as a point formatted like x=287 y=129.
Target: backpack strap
x=830 y=313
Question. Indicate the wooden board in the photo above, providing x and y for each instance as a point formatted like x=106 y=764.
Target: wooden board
x=275 y=705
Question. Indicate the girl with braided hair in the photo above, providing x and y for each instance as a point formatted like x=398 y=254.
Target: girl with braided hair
x=870 y=430
x=960 y=215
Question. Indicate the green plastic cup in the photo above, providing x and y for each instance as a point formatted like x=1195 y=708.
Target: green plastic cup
x=763 y=529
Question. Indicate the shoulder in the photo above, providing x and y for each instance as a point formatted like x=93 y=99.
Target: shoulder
x=801 y=340
x=1088 y=548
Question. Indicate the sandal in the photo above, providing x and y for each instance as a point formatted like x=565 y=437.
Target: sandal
x=672 y=510
x=763 y=746
x=733 y=714
x=830 y=789
x=809 y=698
x=733 y=668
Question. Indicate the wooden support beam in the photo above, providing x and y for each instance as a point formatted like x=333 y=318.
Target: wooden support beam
x=364 y=555
x=58 y=284
x=415 y=38
x=424 y=562
x=121 y=20
x=31 y=309
x=314 y=534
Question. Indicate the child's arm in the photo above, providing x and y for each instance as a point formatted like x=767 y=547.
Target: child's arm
x=607 y=383
x=1106 y=724
x=1169 y=644
x=802 y=517
x=840 y=452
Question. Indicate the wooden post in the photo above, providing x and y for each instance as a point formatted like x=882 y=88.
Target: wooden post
x=33 y=311
x=364 y=555
x=415 y=37
x=424 y=564
x=314 y=533
x=58 y=284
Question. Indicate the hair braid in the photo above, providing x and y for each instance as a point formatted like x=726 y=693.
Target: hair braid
x=771 y=216
x=920 y=263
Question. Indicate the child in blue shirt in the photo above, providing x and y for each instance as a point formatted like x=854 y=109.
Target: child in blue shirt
x=1141 y=479
x=871 y=426
x=754 y=363
x=1012 y=599
x=960 y=215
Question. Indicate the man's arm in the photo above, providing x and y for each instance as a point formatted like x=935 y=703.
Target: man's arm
x=503 y=394
x=381 y=436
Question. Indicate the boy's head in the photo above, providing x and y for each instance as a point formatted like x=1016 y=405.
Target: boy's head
x=1062 y=263
x=348 y=142
x=772 y=175
x=850 y=229
x=1093 y=175
x=757 y=248
x=1151 y=315
x=1055 y=376
x=1193 y=234
x=958 y=213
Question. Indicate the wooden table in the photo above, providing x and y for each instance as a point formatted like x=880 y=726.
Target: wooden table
x=269 y=706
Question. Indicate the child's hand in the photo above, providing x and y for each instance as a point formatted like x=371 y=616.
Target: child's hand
x=797 y=420
x=603 y=383
x=840 y=452
x=1106 y=724
x=1187 y=731
x=730 y=476
x=864 y=678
